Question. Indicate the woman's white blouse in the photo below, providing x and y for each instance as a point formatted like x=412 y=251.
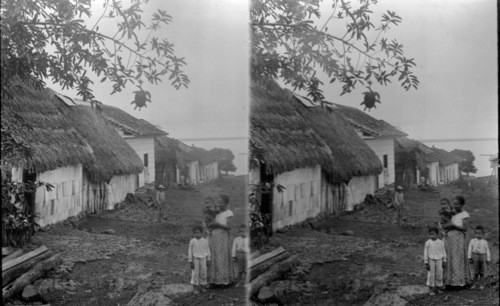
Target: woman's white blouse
x=221 y=218
x=458 y=219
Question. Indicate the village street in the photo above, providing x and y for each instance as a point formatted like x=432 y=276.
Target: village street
x=363 y=258
x=124 y=256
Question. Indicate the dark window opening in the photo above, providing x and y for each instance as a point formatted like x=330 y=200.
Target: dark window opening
x=146 y=160
x=386 y=161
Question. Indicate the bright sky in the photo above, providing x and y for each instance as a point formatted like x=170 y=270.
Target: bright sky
x=454 y=43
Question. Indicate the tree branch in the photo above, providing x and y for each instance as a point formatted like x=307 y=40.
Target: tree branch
x=83 y=29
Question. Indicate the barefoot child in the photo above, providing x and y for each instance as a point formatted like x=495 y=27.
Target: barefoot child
x=239 y=253
x=435 y=261
x=479 y=255
x=199 y=260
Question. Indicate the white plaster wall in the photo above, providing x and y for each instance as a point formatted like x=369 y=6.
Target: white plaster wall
x=358 y=188
x=193 y=172
x=209 y=172
x=382 y=147
x=143 y=146
x=455 y=172
x=300 y=200
x=450 y=173
x=119 y=186
x=433 y=173
x=65 y=199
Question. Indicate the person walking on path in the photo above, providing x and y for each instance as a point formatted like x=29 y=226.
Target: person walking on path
x=435 y=261
x=221 y=271
x=199 y=260
x=479 y=256
x=458 y=272
x=160 y=201
x=399 y=201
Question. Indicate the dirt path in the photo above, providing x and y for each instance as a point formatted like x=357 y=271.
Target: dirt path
x=378 y=256
x=111 y=256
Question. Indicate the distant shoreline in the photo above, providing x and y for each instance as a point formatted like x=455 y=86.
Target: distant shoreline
x=457 y=139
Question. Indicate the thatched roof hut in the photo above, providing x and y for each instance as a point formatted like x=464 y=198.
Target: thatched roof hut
x=63 y=135
x=168 y=149
x=366 y=123
x=286 y=135
x=444 y=157
x=424 y=154
x=130 y=124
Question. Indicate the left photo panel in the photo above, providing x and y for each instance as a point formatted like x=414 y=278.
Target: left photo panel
x=125 y=152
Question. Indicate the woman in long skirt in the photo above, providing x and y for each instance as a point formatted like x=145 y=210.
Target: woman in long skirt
x=221 y=271
x=457 y=272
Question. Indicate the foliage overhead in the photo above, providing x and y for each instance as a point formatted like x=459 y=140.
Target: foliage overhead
x=467 y=165
x=291 y=41
x=225 y=159
x=50 y=40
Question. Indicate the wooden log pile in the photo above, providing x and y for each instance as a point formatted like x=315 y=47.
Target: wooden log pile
x=19 y=270
x=268 y=267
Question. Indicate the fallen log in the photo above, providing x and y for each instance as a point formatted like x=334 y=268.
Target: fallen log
x=265 y=257
x=274 y=273
x=12 y=263
x=266 y=265
x=253 y=255
x=14 y=272
x=13 y=255
x=36 y=272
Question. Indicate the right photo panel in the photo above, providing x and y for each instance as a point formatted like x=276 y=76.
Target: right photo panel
x=373 y=154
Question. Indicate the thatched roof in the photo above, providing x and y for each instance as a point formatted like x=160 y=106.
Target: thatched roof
x=192 y=153
x=168 y=149
x=63 y=135
x=288 y=135
x=424 y=154
x=129 y=123
x=444 y=157
x=365 y=122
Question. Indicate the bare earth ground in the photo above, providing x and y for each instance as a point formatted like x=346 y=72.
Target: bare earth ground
x=109 y=257
x=380 y=256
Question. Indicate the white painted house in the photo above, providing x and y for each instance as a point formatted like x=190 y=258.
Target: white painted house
x=417 y=164
x=316 y=156
x=75 y=149
x=379 y=135
x=140 y=135
x=200 y=164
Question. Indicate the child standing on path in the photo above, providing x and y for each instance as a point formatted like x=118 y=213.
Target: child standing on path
x=239 y=253
x=199 y=260
x=435 y=261
x=479 y=255
x=399 y=201
x=160 y=201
